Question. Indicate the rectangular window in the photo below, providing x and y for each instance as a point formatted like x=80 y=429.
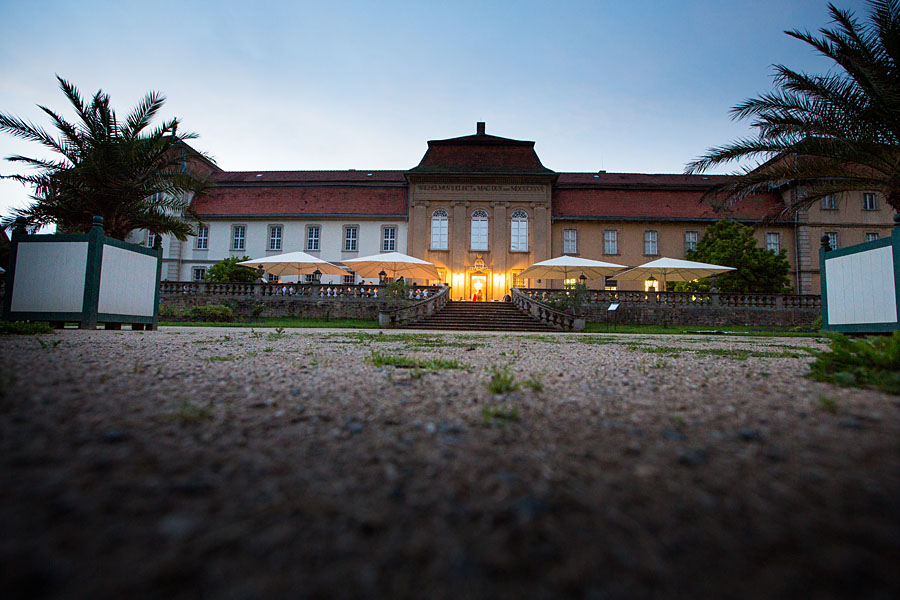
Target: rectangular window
x=389 y=239
x=828 y=203
x=351 y=239
x=518 y=282
x=773 y=242
x=349 y=279
x=610 y=241
x=151 y=240
x=440 y=228
x=651 y=246
x=690 y=241
x=518 y=235
x=871 y=236
x=610 y=284
x=203 y=237
x=275 y=232
x=272 y=278
x=832 y=239
x=312 y=238
x=198 y=273
x=238 y=237
x=309 y=278
x=570 y=241
x=479 y=234
x=869 y=201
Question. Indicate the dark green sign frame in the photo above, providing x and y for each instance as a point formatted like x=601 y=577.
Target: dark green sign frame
x=89 y=317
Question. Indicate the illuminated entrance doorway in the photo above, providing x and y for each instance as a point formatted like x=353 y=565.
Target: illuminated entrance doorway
x=479 y=287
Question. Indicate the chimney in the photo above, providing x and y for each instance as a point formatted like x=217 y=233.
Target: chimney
x=479 y=127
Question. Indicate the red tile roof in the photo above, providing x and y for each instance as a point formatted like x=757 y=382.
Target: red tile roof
x=603 y=179
x=299 y=200
x=480 y=154
x=348 y=176
x=649 y=205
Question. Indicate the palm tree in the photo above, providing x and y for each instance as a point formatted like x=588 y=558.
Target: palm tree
x=132 y=177
x=830 y=133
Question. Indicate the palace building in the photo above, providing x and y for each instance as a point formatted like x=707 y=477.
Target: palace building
x=482 y=208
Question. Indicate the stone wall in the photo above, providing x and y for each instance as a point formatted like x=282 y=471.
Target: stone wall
x=646 y=314
x=280 y=306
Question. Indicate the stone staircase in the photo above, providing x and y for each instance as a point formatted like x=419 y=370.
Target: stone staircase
x=480 y=316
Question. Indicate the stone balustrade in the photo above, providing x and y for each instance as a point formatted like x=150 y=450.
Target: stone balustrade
x=546 y=314
x=416 y=311
x=712 y=299
x=691 y=308
x=291 y=290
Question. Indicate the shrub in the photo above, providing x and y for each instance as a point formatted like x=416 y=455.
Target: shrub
x=397 y=292
x=229 y=270
x=212 y=312
x=24 y=327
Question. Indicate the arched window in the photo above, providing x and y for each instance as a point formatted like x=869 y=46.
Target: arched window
x=518 y=232
x=479 y=230
x=439 y=230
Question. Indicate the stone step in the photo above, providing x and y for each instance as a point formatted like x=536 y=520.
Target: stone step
x=480 y=316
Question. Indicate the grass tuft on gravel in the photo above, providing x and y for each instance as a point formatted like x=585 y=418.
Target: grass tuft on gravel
x=383 y=359
x=498 y=416
x=868 y=362
x=502 y=381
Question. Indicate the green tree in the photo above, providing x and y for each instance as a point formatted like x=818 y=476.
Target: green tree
x=731 y=244
x=133 y=177
x=829 y=133
x=229 y=270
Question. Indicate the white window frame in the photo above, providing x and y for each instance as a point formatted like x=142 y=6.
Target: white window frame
x=349 y=279
x=871 y=236
x=313 y=238
x=276 y=237
x=440 y=230
x=651 y=242
x=691 y=239
x=610 y=241
x=151 y=239
x=389 y=238
x=239 y=242
x=351 y=239
x=870 y=201
x=828 y=202
x=479 y=231
x=570 y=241
x=272 y=278
x=833 y=239
x=202 y=241
x=198 y=270
x=518 y=231
x=773 y=241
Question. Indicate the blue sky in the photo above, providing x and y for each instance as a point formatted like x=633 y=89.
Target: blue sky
x=636 y=86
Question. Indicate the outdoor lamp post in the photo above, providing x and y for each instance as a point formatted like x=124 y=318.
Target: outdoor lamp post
x=651 y=283
x=583 y=279
x=317 y=276
x=381 y=277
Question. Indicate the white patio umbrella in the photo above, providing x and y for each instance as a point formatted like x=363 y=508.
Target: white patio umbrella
x=294 y=263
x=394 y=264
x=570 y=267
x=671 y=269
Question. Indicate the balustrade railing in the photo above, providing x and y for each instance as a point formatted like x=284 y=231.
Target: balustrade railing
x=545 y=313
x=416 y=311
x=698 y=299
x=287 y=290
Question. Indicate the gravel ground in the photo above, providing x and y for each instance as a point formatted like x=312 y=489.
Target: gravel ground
x=214 y=463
